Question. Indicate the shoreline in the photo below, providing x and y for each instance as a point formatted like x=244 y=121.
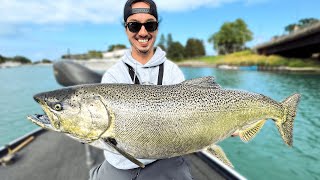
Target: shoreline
x=10 y=64
x=196 y=64
x=13 y=65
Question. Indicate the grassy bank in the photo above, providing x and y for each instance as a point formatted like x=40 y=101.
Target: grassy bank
x=248 y=58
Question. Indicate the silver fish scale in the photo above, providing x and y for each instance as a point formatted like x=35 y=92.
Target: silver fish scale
x=164 y=121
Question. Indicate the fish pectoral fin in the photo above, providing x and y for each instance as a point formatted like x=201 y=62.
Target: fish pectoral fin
x=204 y=81
x=249 y=133
x=112 y=142
x=218 y=153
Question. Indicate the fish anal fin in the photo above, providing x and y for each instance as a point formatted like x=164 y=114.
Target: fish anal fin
x=217 y=151
x=249 y=133
x=203 y=81
x=112 y=142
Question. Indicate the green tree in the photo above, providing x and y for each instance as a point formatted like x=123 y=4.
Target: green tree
x=46 y=61
x=194 y=48
x=290 y=28
x=2 y=59
x=169 y=40
x=162 y=42
x=176 y=51
x=307 y=22
x=95 y=54
x=21 y=59
x=231 y=37
x=302 y=23
x=116 y=47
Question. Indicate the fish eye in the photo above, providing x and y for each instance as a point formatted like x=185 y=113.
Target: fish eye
x=57 y=107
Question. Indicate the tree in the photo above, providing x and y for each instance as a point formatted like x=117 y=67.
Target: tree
x=291 y=27
x=194 y=48
x=95 y=54
x=231 y=37
x=176 y=51
x=116 y=47
x=21 y=59
x=162 y=42
x=169 y=40
x=307 y=22
x=302 y=23
x=2 y=59
x=46 y=61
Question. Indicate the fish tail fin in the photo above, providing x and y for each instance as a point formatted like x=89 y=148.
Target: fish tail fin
x=285 y=125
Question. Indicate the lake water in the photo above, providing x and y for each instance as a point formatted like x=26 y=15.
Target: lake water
x=265 y=157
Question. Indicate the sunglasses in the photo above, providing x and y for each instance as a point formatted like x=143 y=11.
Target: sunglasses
x=136 y=26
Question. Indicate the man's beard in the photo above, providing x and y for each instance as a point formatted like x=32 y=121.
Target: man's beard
x=143 y=52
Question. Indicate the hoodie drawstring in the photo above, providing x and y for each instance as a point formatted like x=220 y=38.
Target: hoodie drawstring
x=135 y=79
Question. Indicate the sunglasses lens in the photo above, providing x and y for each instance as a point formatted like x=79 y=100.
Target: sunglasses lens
x=134 y=26
x=151 y=26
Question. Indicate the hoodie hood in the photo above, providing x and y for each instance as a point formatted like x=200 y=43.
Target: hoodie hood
x=158 y=58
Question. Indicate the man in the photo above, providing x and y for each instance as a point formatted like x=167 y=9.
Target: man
x=143 y=64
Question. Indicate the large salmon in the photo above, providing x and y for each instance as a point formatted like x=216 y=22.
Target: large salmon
x=147 y=121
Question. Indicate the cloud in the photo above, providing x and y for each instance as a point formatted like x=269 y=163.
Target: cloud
x=8 y=31
x=60 y=11
x=185 y=5
x=94 y=11
x=254 y=2
x=12 y=31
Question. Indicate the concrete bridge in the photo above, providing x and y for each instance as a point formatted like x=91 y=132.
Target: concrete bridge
x=301 y=43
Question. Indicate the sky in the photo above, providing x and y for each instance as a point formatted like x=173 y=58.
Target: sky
x=39 y=29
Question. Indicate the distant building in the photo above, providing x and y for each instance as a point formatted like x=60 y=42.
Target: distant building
x=114 y=54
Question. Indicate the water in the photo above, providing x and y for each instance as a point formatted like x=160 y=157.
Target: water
x=18 y=85
x=265 y=157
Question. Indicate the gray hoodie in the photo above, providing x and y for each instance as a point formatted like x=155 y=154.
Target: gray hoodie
x=147 y=74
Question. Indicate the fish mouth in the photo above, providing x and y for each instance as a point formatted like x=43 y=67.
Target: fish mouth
x=42 y=121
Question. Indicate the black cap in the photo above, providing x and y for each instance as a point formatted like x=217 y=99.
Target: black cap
x=128 y=11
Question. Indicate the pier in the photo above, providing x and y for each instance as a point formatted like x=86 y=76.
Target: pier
x=299 y=44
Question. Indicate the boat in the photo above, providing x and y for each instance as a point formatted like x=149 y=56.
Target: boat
x=53 y=156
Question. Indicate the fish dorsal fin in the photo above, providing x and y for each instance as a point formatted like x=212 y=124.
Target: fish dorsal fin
x=203 y=81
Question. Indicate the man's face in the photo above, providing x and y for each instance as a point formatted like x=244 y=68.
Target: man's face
x=142 y=41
